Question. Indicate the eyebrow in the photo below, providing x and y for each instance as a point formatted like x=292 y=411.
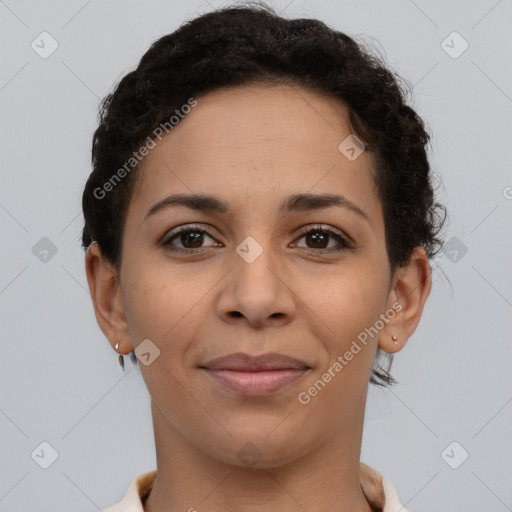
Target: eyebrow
x=295 y=203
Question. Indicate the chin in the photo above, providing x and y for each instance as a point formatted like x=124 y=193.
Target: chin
x=259 y=445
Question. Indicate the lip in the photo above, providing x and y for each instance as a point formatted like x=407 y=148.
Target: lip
x=242 y=362
x=255 y=375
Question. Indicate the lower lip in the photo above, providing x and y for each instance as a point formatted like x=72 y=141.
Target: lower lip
x=256 y=383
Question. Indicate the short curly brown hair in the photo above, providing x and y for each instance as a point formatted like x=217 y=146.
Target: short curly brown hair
x=250 y=45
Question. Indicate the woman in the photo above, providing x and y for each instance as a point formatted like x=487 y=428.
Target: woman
x=259 y=223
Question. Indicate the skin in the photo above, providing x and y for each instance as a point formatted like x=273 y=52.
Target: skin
x=252 y=147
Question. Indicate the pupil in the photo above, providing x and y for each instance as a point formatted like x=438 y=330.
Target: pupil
x=194 y=237
x=319 y=238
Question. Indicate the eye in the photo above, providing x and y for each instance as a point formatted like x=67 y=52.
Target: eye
x=191 y=237
x=320 y=236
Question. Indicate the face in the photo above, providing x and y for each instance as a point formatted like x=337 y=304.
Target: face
x=260 y=268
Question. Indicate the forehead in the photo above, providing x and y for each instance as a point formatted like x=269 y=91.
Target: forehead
x=254 y=146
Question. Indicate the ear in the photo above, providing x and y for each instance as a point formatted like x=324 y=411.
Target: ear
x=409 y=291
x=107 y=298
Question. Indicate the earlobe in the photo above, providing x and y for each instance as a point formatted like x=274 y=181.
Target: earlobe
x=105 y=290
x=391 y=343
x=410 y=292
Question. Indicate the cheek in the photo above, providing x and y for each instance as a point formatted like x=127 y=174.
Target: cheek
x=349 y=302
x=159 y=308
x=348 y=306
x=154 y=304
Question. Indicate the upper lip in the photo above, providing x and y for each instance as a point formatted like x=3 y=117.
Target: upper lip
x=244 y=362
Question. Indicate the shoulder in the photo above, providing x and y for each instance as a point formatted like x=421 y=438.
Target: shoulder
x=379 y=490
x=137 y=491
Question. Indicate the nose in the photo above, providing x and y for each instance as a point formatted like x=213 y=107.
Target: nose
x=258 y=293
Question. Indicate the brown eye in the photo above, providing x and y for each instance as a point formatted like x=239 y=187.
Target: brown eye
x=191 y=239
x=318 y=239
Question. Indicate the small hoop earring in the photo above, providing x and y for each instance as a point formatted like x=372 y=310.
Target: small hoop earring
x=395 y=339
x=121 y=358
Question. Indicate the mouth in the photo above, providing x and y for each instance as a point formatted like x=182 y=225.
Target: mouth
x=255 y=375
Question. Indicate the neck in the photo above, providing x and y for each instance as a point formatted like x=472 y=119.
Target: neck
x=326 y=478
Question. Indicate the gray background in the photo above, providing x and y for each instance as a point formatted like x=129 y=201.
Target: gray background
x=60 y=381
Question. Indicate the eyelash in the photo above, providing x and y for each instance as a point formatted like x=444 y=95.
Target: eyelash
x=302 y=232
